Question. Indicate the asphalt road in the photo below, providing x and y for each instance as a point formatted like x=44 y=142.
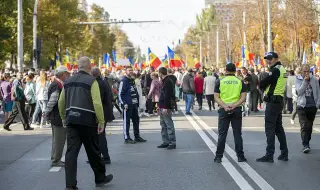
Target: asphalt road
x=25 y=159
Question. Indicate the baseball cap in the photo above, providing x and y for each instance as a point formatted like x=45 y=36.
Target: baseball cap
x=270 y=55
x=230 y=67
x=61 y=69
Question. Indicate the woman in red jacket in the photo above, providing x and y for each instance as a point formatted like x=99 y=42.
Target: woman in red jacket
x=199 y=83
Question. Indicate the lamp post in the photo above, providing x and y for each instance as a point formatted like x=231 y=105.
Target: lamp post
x=20 y=37
x=35 y=50
x=269 y=27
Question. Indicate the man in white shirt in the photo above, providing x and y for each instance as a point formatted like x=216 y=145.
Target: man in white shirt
x=209 y=84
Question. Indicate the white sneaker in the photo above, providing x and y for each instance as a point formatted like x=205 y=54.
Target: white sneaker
x=34 y=126
x=292 y=121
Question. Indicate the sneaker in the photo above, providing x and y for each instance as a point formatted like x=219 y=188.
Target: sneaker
x=34 y=126
x=292 y=121
x=265 y=159
x=163 y=145
x=217 y=160
x=306 y=150
x=139 y=139
x=129 y=141
x=242 y=159
x=283 y=157
x=7 y=128
x=107 y=179
x=171 y=146
x=28 y=128
x=189 y=114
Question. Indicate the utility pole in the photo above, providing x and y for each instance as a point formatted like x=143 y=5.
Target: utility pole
x=269 y=27
x=244 y=61
x=208 y=46
x=217 y=48
x=201 y=52
x=228 y=42
x=35 y=50
x=20 y=37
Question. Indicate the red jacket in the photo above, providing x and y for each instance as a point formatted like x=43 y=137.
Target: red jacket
x=198 y=83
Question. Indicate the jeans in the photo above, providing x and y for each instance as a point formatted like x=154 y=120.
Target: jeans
x=248 y=103
x=36 y=113
x=189 y=102
x=167 y=128
x=306 y=118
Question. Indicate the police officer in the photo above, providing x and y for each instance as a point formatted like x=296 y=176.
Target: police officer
x=81 y=111
x=274 y=86
x=230 y=93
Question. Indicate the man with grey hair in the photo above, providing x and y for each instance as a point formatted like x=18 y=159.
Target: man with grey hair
x=51 y=112
x=106 y=98
x=308 y=102
x=81 y=111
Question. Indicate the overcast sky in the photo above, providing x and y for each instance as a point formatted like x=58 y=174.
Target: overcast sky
x=176 y=17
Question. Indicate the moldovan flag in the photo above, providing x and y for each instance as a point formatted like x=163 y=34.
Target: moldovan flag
x=67 y=60
x=174 y=59
x=92 y=62
x=190 y=62
x=58 y=62
x=136 y=64
x=154 y=61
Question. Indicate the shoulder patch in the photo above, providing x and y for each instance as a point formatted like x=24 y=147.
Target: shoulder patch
x=270 y=73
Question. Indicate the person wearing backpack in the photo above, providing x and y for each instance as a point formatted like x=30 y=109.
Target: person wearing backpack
x=17 y=95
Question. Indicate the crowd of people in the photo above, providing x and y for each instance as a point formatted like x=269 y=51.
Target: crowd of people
x=79 y=104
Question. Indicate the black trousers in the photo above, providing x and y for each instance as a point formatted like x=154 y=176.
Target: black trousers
x=210 y=100
x=104 y=144
x=225 y=118
x=306 y=118
x=289 y=105
x=273 y=127
x=254 y=100
x=30 y=108
x=150 y=106
x=88 y=136
x=18 y=108
x=199 y=99
x=131 y=114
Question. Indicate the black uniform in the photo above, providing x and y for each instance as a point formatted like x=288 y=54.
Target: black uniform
x=273 y=116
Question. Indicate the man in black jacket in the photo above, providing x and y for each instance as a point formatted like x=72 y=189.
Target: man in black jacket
x=106 y=98
x=247 y=80
x=51 y=112
x=166 y=104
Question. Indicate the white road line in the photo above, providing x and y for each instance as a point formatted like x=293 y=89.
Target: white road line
x=316 y=129
x=234 y=173
x=55 y=169
x=245 y=167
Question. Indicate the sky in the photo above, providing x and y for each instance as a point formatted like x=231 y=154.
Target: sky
x=175 y=15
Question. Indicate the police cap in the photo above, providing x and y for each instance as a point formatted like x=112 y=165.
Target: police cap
x=230 y=67
x=270 y=55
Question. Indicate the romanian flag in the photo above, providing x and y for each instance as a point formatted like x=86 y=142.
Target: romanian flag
x=196 y=63
x=136 y=64
x=74 y=64
x=174 y=59
x=165 y=61
x=114 y=56
x=106 y=60
x=67 y=60
x=251 y=59
x=130 y=60
x=154 y=61
x=190 y=62
x=58 y=62
x=239 y=64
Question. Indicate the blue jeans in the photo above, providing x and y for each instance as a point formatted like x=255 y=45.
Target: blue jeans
x=189 y=102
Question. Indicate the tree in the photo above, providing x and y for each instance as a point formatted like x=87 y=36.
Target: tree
x=123 y=45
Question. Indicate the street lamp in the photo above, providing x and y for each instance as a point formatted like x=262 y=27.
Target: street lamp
x=269 y=27
x=20 y=37
x=35 y=50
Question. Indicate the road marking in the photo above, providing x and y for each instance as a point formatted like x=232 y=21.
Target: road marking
x=55 y=169
x=245 y=167
x=233 y=172
x=316 y=129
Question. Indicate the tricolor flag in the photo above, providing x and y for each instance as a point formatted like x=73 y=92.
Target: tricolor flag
x=154 y=61
x=67 y=60
x=174 y=59
x=58 y=62
x=165 y=61
x=196 y=63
